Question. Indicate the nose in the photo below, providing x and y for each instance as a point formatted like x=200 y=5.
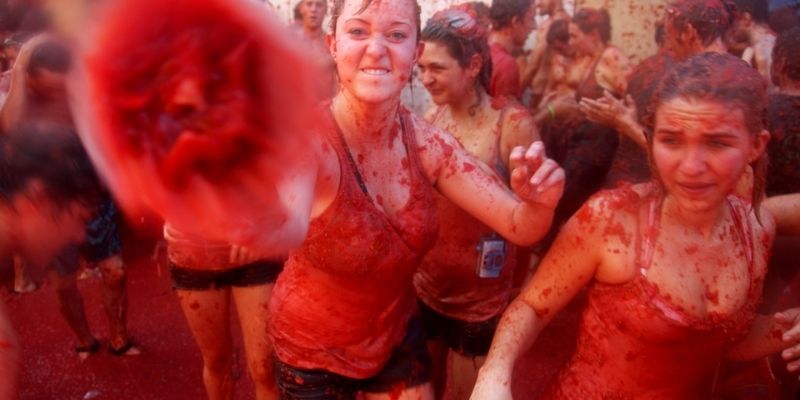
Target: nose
x=377 y=45
x=693 y=162
x=426 y=77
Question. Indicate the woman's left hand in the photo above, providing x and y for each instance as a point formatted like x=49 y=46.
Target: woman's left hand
x=534 y=177
x=790 y=319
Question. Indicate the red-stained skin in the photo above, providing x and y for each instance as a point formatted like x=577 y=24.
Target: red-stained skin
x=679 y=319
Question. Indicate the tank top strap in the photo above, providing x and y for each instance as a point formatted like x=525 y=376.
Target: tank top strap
x=744 y=227
x=647 y=231
x=410 y=143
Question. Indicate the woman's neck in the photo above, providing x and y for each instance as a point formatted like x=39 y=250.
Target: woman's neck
x=362 y=122
x=703 y=221
x=465 y=107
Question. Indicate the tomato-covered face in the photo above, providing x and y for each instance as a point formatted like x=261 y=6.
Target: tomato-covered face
x=444 y=78
x=375 y=49
x=701 y=149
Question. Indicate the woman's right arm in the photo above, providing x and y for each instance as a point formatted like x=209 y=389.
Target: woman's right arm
x=567 y=267
x=786 y=211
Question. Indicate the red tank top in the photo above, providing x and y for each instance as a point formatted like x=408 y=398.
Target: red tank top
x=635 y=344
x=447 y=280
x=345 y=296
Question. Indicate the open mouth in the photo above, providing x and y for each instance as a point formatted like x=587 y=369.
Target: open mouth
x=375 y=71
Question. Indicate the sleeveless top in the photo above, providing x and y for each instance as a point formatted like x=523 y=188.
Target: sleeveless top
x=590 y=88
x=345 y=296
x=447 y=280
x=636 y=344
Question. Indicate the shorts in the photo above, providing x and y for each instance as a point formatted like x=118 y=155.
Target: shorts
x=408 y=366
x=471 y=339
x=257 y=273
x=102 y=238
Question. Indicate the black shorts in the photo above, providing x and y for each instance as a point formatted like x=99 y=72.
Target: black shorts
x=408 y=366
x=102 y=233
x=257 y=273
x=471 y=339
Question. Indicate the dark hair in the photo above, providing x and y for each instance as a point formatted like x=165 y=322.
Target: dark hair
x=338 y=5
x=591 y=19
x=502 y=12
x=710 y=18
x=55 y=157
x=463 y=37
x=558 y=32
x=758 y=9
x=786 y=55
x=50 y=56
x=297 y=15
x=723 y=78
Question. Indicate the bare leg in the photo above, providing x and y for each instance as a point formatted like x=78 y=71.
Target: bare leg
x=438 y=351
x=421 y=392
x=115 y=300
x=9 y=357
x=23 y=283
x=252 y=304
x=464 y=373
x=206 y=312
x=70 y=304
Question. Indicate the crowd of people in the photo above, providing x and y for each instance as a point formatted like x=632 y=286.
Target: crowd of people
x=436 y=248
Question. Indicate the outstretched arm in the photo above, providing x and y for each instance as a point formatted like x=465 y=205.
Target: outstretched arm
x=786 y=211
x=522 y=214
x=570 y=264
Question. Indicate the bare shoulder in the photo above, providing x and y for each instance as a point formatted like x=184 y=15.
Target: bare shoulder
x=436 y=147
x=608 y=222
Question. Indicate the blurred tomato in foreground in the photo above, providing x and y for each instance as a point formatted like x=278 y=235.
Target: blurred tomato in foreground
x=201 y=110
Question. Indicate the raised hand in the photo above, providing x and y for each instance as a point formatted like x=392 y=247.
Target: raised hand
x=534 y=177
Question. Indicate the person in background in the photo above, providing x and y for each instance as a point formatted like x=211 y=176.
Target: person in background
x=460 y=304
x=512 y=23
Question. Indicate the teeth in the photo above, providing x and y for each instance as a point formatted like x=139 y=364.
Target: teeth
x=372 y=71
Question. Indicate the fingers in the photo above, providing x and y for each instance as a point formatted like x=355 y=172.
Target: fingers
x=535 y=173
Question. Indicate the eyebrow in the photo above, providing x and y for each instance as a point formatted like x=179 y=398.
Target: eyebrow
x=363 y=21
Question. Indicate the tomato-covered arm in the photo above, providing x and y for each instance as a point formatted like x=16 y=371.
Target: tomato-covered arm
x=786 y=211
x=523 y=215
x=570 y=264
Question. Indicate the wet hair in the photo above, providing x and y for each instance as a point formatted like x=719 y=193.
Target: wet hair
x=758 y=9
x=710 y=18
x=558 y=32
x=786 y=56
x=479 y=10
x=338 y=6
x=725 y=79
x=502 y=12
x=50 y=56
x=591 y=19
x=464 y=37
x=54 y=157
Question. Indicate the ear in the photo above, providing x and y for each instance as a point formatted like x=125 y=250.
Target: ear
x=474 y=66
x=690 y=39
x=418 y=52
x=760 y=142
x=331 y=44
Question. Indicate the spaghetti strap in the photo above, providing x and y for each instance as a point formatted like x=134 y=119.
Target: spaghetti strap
x=647 y=231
